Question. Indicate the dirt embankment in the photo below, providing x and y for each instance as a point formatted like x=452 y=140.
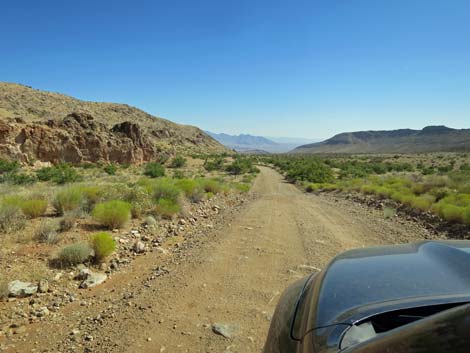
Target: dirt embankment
x=231 y=277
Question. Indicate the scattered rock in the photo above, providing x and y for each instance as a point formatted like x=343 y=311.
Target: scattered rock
x=93 y=280
x=223 y=330
x=139 y=247
x=83 y=274
x=21 y=289
x=43 y=286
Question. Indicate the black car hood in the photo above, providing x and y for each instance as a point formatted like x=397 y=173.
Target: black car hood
x=366 y=281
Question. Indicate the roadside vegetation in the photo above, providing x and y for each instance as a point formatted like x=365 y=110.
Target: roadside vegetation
x=435 y=183
x=72 y=214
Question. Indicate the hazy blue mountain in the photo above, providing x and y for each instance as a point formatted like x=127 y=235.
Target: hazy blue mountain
x=249 y=143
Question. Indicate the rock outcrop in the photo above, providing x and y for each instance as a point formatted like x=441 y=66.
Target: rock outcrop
x=51 y=127
x=76 y=138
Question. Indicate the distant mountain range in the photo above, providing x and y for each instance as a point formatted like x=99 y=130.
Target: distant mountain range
x=258 y=144
x=429 y=139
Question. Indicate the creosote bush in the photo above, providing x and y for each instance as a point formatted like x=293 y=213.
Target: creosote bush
x=166 y=208
x=178 y=162
x=74 y=254
x=67 y=199
x=59 y=174
x=11 y=217
x=103 y=245
x=47 y=233
x=154 y=170
x=112 y=214
x=165 y=189
x=33 y=208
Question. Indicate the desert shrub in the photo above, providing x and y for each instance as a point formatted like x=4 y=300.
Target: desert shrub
x=241 y=187
x=110 y=169
x=59 y=174
x=91 y=195
x=191 y=189
x=211 y=185
x=452 y=213
x=421 y=203
x=8 y=166
x=68 y=221
x=313 y=171
x=154 y=170
x=11 y=217
x=47 y=232
x=466 y=215
x=103 y=245
x=33 y=208
x=165 y=189
x=178 y=162
x=140 y=200
x=112 y=214
x=74 y=254
x=167 y=208
x=241 y=166
x=19 y=178
x=67 y=199
x=217 y=163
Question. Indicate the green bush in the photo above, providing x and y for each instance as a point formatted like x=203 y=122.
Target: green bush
x=313 y=171
x=178 y=162
x=211 y=185
x=103 y=245
x=74 y=254
x=8 y=166
x=112 y=214
x=34 y=208
x=11 y=217
x=91 y=195
x=452 y=213
x=191 y=189
x=67 y=199
x=166 y=208
x=241 y=166
x=59 y=174
x=110 y=169
x=421 y=203
x=241 y=187
x=154 y=170
x=165 y=189
x=140 y=200
x=19 y=178
x=466 y=216
x=217 y=163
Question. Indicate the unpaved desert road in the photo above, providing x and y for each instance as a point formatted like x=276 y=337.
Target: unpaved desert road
x=234 y=278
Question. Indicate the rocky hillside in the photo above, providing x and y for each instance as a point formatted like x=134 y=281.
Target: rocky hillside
x=51 y=127
x=429 y=139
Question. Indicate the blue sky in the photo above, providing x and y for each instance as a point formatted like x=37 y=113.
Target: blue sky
x=282 y=68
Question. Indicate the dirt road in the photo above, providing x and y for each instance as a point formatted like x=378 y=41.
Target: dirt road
x=234 y=278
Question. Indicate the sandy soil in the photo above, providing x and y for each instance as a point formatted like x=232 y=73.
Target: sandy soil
x=232 y=276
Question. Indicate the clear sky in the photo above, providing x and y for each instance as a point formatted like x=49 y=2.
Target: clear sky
x=308 y=68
